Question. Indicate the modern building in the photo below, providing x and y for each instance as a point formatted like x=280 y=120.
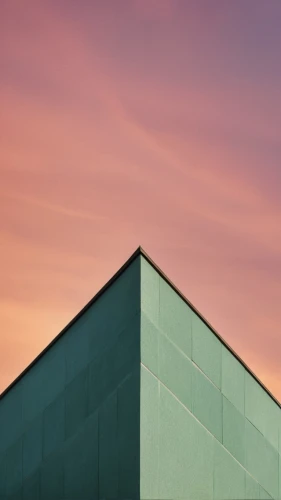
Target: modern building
x=139 y=398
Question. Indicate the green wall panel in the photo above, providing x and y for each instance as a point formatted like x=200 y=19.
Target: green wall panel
x=14 y=468
x=150 y=291
x=149 y=344
x=149 y=435
x=207 y=403
x=48 y=374
x=229 y=476
x=185 y=452
x=279 y=419
x=11 y=417
x=32 y=447
x=81 y=462
x=264 y=495
x=279 y=477
x=108 y=448
x=261 y=460
x=206 y=350
x=111 y=313
x=16 y=496
x=3 y=466
x=31 y=487
x=76 y=403
x=175 y=370
x=233 y=380
x=129 y=436
x=252 y=488
x=52 y=477
x=54 y=425
x=233 y=431
x=77 y=345
x=175 y=318
x=261 y=410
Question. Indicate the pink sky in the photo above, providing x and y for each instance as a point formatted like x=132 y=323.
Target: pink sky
x=141 y=122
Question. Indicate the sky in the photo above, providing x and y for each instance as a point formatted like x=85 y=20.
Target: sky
x=140 y=122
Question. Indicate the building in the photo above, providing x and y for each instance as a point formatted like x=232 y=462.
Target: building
x=139 y=397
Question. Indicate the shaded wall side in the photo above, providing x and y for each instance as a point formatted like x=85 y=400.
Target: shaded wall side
x=208 y=429
x=72 y=421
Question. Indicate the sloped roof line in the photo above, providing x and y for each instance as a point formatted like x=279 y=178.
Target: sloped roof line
x=139 y=251
x=214 y=331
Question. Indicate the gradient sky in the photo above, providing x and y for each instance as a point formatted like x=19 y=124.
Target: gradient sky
x=152 y=122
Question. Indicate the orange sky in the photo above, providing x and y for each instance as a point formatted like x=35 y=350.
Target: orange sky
x=152 y=122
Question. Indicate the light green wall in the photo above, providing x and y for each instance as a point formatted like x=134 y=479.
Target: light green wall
x=69 y=429
x=208 y=429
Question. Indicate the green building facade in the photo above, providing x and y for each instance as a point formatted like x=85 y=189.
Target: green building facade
x=139 y=398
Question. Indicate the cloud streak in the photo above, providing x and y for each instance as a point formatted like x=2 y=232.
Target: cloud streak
x=138 y=124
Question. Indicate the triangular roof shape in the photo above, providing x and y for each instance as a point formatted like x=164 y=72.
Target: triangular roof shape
x=140 y=251
x=139 y=397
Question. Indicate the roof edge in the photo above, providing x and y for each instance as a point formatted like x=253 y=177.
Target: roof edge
x=139 y=251
x=214 y=331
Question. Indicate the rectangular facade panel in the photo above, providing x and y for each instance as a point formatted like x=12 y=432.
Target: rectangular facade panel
x=129 y=436
x=175 y=318
x=54 y=425
x=185 y=452
x=175 y=370
x=229 y=476
x=207 y=403
x=76 y=403
x=206 y=350
x=233 y=431
x=108 y=448
x=233 y=380
x=149 y=434
x=149 y=344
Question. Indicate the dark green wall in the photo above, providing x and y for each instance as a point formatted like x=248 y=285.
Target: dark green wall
x=69 y=429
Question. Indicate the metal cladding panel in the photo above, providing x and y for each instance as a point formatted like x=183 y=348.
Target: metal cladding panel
x=215 y=432
x=185 y=452
x=229 y=476
x=252 y=488
x=207 y=403
x=149 y=450
x=206 y=350
x=128 y=437
x=80 y=461
x=73 y=417
x=149 y=344
x=174 y=318
x=54 y=425
x=261 y=410
x=31 y=488
x=233 y=431
x=108 y=448
x=233 y=380
x=175 y=370
x=32 y=447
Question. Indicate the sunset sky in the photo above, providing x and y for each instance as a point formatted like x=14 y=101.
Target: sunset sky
x=141 y=122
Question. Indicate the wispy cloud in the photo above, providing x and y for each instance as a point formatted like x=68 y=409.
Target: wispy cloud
x=58 y=209
x=147 y=128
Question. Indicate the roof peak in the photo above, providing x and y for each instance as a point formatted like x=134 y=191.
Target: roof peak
x=140 y=252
